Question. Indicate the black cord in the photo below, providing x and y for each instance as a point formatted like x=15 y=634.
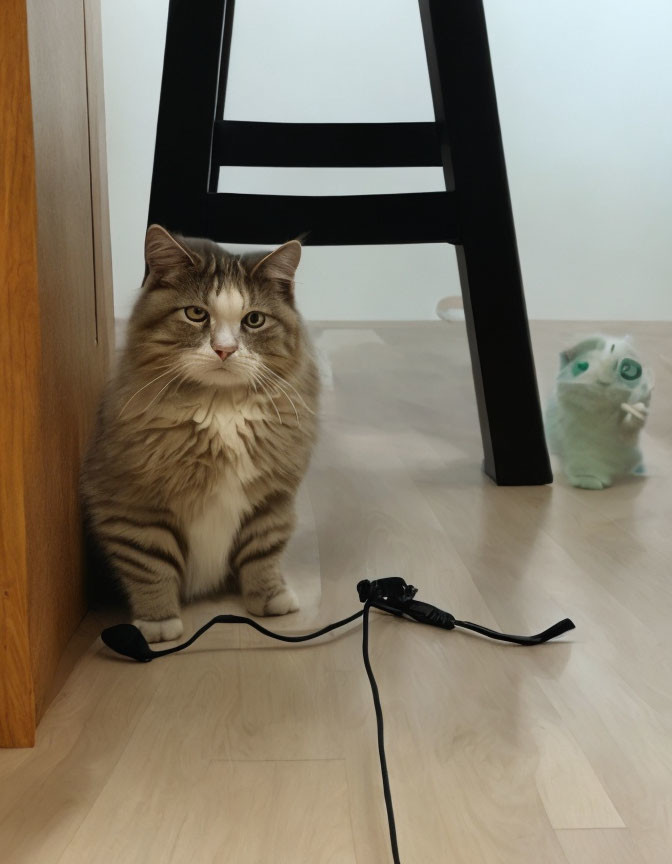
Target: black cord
x=127 y=639
x=389 y=595
x=381 y=737
x=281 y=637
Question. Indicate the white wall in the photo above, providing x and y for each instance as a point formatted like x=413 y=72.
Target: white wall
x=584 y=94
x=585 y=99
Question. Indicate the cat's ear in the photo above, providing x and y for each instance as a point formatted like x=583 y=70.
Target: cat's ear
x=593 y=343
x=279 y=265
x=164 y=253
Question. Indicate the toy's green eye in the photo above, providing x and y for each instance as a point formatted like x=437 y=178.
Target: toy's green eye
x=579 y=367
x=195 y=313
x=630 y=369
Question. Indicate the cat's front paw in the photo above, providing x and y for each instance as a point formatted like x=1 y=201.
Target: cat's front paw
x=160 y=631
x=281 y=601
x=588 y=481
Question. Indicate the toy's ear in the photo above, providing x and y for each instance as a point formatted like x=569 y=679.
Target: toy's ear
x=590 y=344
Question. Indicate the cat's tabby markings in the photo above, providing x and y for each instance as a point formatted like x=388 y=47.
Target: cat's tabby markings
x=204 y=433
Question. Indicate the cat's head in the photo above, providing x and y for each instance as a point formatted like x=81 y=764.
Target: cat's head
x=216 y=318
x=605 y=369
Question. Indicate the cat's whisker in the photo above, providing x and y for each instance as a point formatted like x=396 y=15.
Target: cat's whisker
x=273 y=383
x=258 y=364
x=285 y=381
x=167 y=372
x=267 y=392
x=169 y=359
x=153 y=400
x=175 y=364
x=298 y=395
x=256 y=371
x=275 y=407
x=181 y=372
x=254 y=383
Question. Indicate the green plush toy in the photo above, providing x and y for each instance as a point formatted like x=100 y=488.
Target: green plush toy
x=600 y=404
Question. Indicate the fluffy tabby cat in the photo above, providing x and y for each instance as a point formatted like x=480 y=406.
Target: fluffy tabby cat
x=204 y=433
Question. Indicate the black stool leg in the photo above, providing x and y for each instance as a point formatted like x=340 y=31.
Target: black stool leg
x=465 y=105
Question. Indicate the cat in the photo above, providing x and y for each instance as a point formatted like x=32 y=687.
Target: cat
x=600 y=404
x=204 y=433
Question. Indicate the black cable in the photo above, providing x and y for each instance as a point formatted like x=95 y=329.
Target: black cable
x=381 y=737
x=126 y=639
x=391 y=595
x=539 y=639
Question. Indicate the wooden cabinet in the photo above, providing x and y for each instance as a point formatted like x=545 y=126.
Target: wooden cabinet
x=56 y=333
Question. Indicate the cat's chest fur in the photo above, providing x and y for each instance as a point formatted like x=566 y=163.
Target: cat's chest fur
x=228 y=435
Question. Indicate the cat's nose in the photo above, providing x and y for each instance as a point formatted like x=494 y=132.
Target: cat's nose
x=224 y=351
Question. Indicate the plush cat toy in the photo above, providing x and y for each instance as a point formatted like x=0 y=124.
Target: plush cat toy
x=600 y=404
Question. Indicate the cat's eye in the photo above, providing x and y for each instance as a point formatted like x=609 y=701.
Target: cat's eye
x=630 y=369
x=580 y=366
x=254 y=320
x=195 y=313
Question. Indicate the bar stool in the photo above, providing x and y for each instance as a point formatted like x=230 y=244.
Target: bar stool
x=473 y=214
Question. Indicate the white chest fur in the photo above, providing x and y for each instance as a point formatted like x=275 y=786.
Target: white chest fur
x=216 y=521
x=210 y=535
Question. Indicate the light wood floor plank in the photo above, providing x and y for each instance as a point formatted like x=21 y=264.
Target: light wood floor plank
x=247 y=812
x=273 y=812
x=80 y=741
x=598 y=846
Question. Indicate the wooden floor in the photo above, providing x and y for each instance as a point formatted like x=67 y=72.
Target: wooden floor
x=239 y=751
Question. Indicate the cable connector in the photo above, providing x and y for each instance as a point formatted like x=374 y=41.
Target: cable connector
x=395 y=596
x=392 y=590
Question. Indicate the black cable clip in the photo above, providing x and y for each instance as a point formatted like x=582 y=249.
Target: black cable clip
x=392 y=590
x=395 y=596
